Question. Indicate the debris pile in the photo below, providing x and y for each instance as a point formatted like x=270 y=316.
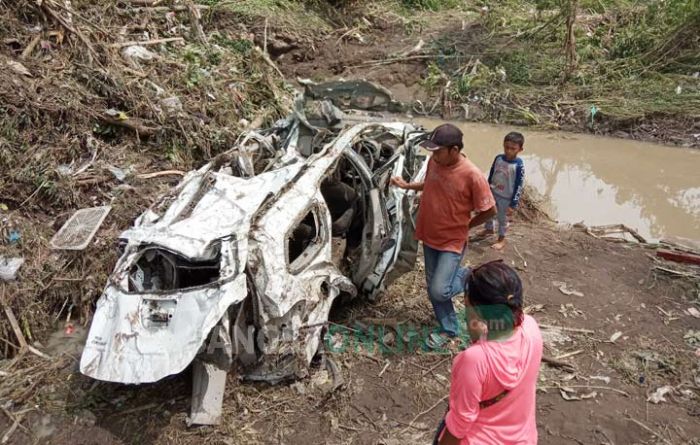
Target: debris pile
x=106 y=103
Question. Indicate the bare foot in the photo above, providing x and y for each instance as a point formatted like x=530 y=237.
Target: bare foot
x=499 y=245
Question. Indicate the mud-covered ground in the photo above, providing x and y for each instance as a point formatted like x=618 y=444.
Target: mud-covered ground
x=397 y=397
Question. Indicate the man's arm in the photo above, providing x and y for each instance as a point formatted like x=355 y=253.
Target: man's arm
x=399 y=182
x=482 y=217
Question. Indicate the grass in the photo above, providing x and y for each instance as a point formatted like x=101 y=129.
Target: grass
x=282 y=14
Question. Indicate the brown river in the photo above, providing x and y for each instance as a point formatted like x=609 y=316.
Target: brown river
x=652 y=188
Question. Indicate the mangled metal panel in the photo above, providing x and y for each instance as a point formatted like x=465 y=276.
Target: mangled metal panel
x=353 y=94
x=128 y=344
x=225 y=209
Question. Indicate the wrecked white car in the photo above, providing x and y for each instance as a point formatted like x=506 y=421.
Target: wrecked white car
x=239 y=266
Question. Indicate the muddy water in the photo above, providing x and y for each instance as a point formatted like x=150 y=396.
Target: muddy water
x=652 y=188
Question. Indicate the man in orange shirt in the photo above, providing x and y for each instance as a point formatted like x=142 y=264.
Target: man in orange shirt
x=453 y=188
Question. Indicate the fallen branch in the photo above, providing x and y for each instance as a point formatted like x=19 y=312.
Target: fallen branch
x=147 y=42
x=561 y=328
x=45 y=7
x=568 y=367
x=568 y=354
x=174 y=8
x=601 y=231
x=158 y=174
x=676 y=272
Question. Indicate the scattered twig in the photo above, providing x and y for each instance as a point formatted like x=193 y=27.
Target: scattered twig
x=13 y=322
x=265 y=37
x=30 y=47
x=562 y=328
x=402 y=59
x=56 y=16
x=174 y=8
x=158 y=174
x=568 y=354
x=384 y=368
x=365 y=415
x=434 y=367
x=657 y=435
x=675 y=272
x=521 y=257
x=33 y=194
x=11 y=430
x=605 y=388
x=558 y=364
x=195 y=15
x=678 y=257
x=38 y=353
x=422 y=413
x=269 y=61
x=142 y=2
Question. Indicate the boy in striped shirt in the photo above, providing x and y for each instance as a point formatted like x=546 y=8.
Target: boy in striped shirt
x=506 y=178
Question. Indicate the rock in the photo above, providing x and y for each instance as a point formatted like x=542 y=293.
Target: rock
x=85 y=417
x=659 y=394
x=171 y=105
x=9 y=266
x=138 y=53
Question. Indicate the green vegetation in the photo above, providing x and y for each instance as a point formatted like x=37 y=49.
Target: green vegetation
x=628 y=59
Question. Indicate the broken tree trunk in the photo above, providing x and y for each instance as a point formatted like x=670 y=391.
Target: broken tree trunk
x=570 y=8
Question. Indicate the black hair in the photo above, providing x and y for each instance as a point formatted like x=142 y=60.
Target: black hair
x=496 y=284
x=515 y=137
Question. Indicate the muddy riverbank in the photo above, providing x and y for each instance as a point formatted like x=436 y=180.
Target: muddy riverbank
x=398 y=397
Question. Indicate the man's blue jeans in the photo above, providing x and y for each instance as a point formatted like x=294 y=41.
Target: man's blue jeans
x=445 y=279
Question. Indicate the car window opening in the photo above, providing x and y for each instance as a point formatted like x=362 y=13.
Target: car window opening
x=303 y=236
x=159 y=270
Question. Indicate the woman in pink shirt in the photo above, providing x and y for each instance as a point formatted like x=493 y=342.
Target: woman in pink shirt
x=492 y=394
